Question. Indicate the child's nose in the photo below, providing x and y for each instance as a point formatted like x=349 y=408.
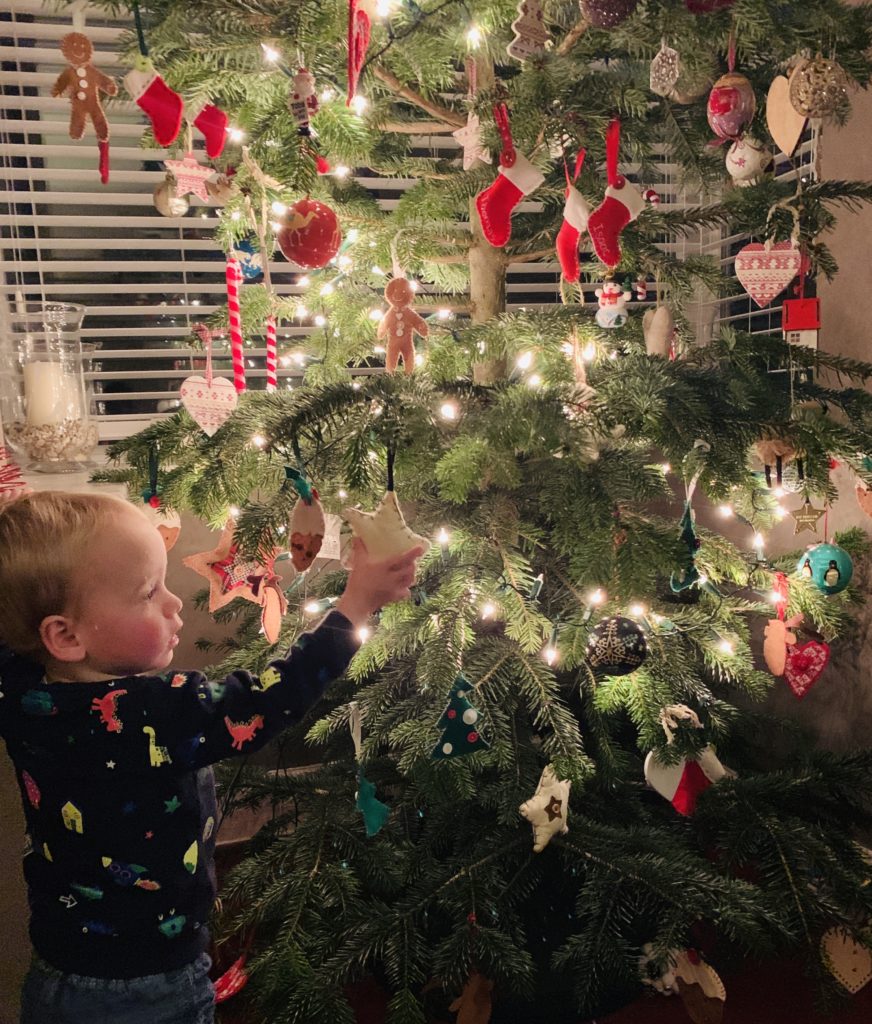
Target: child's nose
x=174 y=604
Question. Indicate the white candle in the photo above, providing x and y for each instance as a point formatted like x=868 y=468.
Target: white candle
x=50 y=395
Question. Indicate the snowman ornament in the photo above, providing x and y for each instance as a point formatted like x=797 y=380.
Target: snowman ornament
x=613 y=299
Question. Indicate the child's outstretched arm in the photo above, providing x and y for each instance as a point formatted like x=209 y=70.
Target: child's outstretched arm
x=194 y=721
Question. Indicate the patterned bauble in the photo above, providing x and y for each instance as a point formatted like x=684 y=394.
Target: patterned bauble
x=665 y=69
x=607 y=13
x=818 y=88
x=747 y=160
x=828 y=566
x=166 y=202
x=247 y=253
x=731 y=105
x=792 y=481
x=309 y=235
x=617 y=646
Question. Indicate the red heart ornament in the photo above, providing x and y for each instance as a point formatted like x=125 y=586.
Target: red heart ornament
x=805 y=663
x=766 y=271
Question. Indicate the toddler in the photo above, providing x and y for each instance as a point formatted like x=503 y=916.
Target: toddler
x=111 y=752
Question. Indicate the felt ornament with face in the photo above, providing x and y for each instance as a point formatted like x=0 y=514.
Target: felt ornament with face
x=474 y=1004
x=778 y=636
x=166 y=521
x=384 y=531
x=307 y=531
x=85 y=84
x=232 y=574
x=400 y=324
x=548 y=809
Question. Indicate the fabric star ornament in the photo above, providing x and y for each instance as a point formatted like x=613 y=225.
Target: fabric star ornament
x=190 y=176
x=374 y=812
x=469 y=136
x=384 y=531
x=232 y=575
x=548 y=809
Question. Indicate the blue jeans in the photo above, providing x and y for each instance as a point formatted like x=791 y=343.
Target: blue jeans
x=184 y=996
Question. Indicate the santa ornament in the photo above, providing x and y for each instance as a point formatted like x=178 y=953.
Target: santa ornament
x=309 y=235
x=612 y=298
x=517 y=178
x=84 y=85
x=576 y=214
x=400 y=324
x=303 y=100
x=622 y=204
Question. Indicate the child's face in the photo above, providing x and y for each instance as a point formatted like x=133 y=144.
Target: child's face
x=125 y=618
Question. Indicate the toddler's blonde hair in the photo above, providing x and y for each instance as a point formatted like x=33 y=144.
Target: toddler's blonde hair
x=43 y=540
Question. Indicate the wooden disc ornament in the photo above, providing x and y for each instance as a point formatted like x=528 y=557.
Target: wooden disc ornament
x=731 y=105
x=617 y=646
x=309 y=235
x=818 y=88
x=828 y=566
x=607 y=13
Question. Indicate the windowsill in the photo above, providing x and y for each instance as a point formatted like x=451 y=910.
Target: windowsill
x=76 y=483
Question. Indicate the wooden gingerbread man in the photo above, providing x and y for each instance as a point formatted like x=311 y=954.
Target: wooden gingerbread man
x=84 y=83
x=400 y=324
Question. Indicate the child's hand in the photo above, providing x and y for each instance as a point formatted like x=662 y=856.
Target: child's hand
x=371 y=585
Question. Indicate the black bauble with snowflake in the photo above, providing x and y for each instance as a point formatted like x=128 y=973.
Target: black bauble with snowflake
x=607 y=13
x=617 y=646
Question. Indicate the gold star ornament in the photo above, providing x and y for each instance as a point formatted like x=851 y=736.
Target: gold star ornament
x=384 y=532
x=806 y=518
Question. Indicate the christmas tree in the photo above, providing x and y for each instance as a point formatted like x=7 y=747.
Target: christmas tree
x=535 y=447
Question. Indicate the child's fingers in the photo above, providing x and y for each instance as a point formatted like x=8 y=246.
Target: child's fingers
x=406 y=560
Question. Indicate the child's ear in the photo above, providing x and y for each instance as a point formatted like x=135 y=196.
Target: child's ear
x=59 y=638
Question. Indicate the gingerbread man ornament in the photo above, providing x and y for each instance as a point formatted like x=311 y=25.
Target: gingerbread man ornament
x=84 y=84
x=400 y=324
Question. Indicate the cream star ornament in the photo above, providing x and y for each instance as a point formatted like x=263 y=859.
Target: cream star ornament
x=806 y=518
x=469 y=136
x=384 y=531
x=547 y=809
x=190 y=176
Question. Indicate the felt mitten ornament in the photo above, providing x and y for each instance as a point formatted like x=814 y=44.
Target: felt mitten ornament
x=575 y=217
x=622 y=204
x=156 y=99
x=84 y=84
x=400 y=324
x=517 y=178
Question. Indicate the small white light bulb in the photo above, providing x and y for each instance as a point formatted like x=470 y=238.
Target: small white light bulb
x=341 y=171
x=363 y=634
x=234 y=511
x=488 y=610
x=550 y=655
x=534 y=380
x=353 y=235
x=473 y=37
x=725 y=510
x=236 y=134
x=270 y=53
x=320 y=321
x=311 y=607
x=326 y=289
x=258 y=440
x=342 y=493
x=588 y=353
x=597 y=597
x=444 y=314
x=376 y=314
x=758 y=540
x=637 y=610
x=448 y=410
x=360 y=103
x=326 y=95
x=443 y=536
x=278 y=208
x=301 y=312
x=525 y=361
x=665 y=468
x=303 y=281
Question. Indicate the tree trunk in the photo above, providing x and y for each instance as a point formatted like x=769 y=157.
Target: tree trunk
x=487 y=267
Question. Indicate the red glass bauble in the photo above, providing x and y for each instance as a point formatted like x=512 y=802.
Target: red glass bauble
x=309 y=235
x=731 y=105
x=707 y=6
x=607 y=13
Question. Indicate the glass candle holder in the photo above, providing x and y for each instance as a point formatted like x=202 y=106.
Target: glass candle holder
x=43 y=398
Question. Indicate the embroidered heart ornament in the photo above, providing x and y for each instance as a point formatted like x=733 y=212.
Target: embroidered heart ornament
x=766 y=272
x=804 y=665
x=210 y=405
x=785 y=124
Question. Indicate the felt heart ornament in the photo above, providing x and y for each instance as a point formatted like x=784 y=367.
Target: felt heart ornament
x=786 y=124
x=682 y=783
x=804 y=665
x=850 y=963
x=766 y=270
x=210 y=404
x=658 y=328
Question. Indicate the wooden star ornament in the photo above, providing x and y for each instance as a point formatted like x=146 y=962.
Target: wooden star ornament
x=384 y=531
x=547 y=809
x=806 y=518
x=469 y=136
x=232 y=575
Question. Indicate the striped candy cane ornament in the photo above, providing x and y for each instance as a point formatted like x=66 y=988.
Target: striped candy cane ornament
x=271 y=358
x=234 y=276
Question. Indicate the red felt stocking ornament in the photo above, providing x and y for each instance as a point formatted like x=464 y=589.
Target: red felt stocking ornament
x=517 y=178
x=156 y=99
x=622 y=204
x=576 y=214
x=211 y=123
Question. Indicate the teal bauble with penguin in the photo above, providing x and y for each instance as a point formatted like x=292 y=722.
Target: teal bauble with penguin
x=828 y=566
